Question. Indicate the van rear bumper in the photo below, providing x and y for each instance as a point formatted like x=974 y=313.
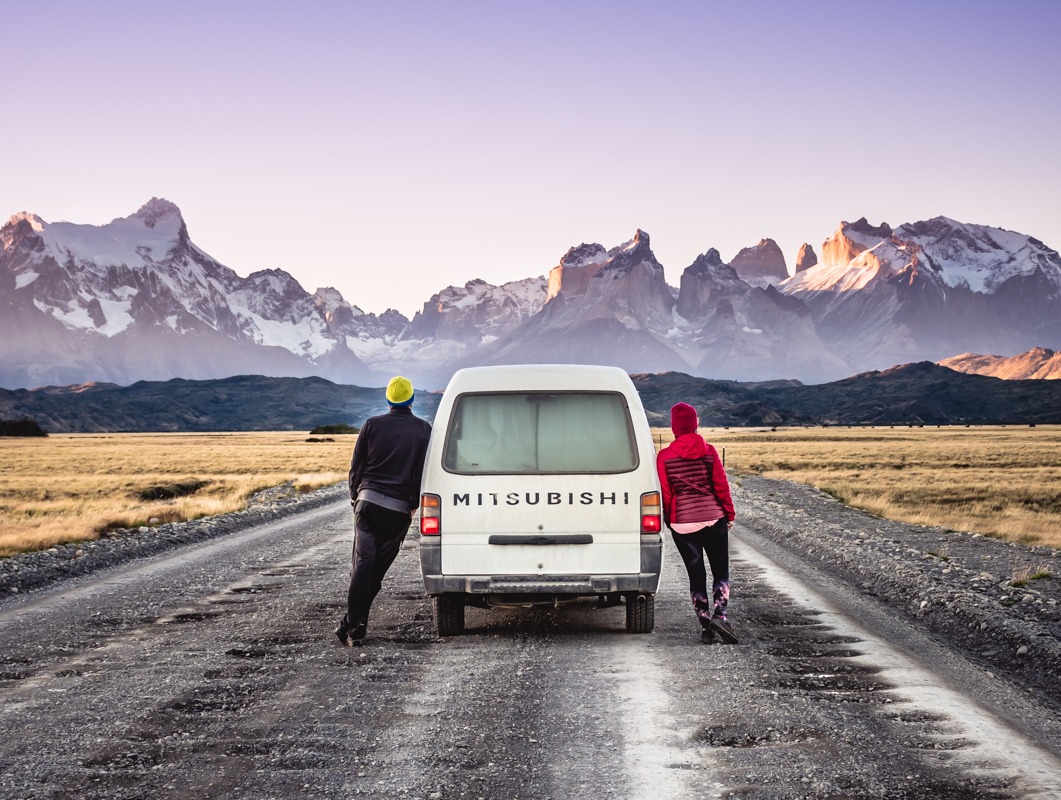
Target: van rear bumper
x=646 y=581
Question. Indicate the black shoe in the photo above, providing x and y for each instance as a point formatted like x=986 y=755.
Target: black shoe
x=707 y=636
x=722 y=628
x=358 y=633
x=340 y=634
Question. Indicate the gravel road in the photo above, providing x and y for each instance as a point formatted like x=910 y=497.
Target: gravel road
x=202 y=664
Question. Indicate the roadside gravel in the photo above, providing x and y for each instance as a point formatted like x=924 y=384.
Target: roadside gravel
x=964 y=587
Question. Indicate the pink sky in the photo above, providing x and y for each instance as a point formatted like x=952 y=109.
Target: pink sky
x=392 y=149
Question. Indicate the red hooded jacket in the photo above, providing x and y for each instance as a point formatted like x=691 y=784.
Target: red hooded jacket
x=694 y=483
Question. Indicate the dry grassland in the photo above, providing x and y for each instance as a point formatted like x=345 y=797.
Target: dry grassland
x=68 y=488
x=997 y=481
x=1000 y=481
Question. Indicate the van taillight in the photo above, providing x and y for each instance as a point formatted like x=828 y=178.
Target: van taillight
x=430 y=515
x=651 y=521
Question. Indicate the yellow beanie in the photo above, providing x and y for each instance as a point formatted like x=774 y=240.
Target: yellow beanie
x=400 y=391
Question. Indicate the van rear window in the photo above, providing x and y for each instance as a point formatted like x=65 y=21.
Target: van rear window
x=540 y=433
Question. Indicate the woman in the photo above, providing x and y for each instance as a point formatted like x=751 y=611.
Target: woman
x=699 y=510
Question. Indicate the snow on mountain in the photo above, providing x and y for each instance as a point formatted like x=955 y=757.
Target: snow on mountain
x=140 y=280
x=979 y=257
x=136 y=299
x=975 y=257
x=614 y=307
x=881 y=296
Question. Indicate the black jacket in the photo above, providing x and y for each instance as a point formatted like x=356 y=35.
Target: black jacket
x=389 y=456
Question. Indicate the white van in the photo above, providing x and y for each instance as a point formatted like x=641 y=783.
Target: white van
x=540 y=486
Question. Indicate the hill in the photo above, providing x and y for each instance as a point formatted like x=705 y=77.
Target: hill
x=912 y=394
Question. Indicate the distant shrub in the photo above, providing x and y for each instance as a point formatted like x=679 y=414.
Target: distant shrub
x=342 y=427
x=171 y=491
x=20 y=427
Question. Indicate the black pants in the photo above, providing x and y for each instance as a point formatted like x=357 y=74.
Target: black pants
x=714 y=542
x=378 y=536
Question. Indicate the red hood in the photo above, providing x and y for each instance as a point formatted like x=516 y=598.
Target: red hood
x=690 y=445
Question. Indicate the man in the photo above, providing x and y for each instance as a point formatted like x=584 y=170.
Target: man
x=385 y=473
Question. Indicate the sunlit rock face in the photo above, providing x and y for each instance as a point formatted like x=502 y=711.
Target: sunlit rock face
x=1039 y=363
x=576 y=267
x=761 y=265
x=806 y=258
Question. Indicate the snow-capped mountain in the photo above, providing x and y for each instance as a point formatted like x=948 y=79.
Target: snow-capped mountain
x=136 y=299
x=928 y=290
x=615 y=307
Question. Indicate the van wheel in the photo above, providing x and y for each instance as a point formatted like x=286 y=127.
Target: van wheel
x=640 y=613
x=449 y=615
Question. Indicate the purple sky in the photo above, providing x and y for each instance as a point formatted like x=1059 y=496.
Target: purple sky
x=392 y=149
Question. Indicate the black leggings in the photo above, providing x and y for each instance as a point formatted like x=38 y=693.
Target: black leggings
x=714 y=542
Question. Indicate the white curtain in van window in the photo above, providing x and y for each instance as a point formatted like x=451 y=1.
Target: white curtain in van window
x=584 y=433
x=533 y=433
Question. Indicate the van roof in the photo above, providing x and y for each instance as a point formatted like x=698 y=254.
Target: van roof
x=516 y=377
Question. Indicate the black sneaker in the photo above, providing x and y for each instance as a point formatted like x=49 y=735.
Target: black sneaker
x=340 y=634
x=707 y=636
x=722 y=628
x=358 y=633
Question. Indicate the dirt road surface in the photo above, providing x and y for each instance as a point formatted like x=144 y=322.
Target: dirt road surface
x=211 y=671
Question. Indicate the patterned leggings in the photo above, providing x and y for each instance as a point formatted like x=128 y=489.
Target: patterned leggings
x=714 y=541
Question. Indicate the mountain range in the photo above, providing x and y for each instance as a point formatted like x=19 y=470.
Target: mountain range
x=913 y=394
x=136 y=299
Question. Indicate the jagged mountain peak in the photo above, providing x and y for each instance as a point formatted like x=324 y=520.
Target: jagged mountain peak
x=707 y=261
x=632 y=253
x=583 y=254
x=155 y=209
x=35 y=222
x=863 y=226
x=762 y=264
x=330 y=299
x=805 y=258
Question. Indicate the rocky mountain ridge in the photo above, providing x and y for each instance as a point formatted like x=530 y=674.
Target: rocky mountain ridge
x=137 y=300
x=1039 y=363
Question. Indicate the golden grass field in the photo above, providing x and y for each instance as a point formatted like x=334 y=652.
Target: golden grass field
x=70 y=487
x=998 y=481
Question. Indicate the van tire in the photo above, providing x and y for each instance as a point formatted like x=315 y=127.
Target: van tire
x=449 y=615
x=640 y=613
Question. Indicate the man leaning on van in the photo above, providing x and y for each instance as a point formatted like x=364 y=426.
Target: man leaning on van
x=385 y=473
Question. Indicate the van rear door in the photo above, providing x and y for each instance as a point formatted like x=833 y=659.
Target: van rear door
x=548 y=485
